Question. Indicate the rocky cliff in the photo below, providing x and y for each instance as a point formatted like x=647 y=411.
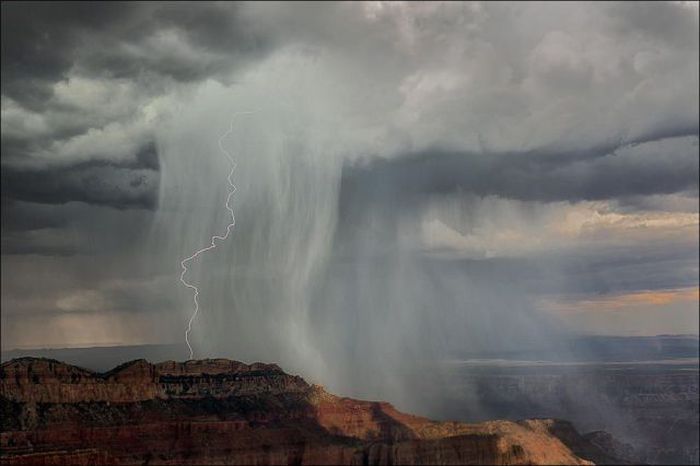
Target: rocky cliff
x=227 y=412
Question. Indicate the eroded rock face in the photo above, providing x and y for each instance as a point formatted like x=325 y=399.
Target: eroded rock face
x=32 y=380
x=227 y=412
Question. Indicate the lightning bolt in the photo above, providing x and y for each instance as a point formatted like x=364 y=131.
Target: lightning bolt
x=213 y=244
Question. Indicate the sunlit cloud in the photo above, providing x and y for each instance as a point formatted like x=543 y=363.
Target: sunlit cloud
x=623 y=301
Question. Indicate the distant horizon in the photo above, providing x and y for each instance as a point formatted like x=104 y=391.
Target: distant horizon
x=181 y=344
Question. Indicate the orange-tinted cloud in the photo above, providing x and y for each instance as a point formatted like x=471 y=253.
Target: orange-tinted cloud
x=645 y=298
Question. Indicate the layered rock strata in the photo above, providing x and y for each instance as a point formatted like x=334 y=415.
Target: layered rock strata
x=219 y=411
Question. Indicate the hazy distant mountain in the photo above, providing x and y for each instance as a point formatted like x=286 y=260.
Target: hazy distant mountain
x=602 y=349
x=102 y=358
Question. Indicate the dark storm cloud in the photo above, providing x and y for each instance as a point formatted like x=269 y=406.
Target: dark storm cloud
x=131 y=183
x=20 y=244
x=555 y=155
x=72 y=229
x=644 y=168
x=605 y=96
x=152 y=44
x=43 y=41
x=105 y=185
x=597 y=271
x=662 y=21
x=144 y=46
x=18 y=216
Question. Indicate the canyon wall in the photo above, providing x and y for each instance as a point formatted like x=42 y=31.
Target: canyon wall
x=227 y=412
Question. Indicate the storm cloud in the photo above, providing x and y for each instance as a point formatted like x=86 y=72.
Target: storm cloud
x=404 y=161
x=663 y=166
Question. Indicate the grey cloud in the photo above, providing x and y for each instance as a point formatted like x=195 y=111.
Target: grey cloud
x=72 y=229
x=42 y=42
x=656 y=20
x=48 y=244
x=599 y=271
x=42 y=213
x=107 y=185
x=645 y=168
x=538 y=103
x=20 y=216
x=146 y=46
x=582 y=271
x=686 y=201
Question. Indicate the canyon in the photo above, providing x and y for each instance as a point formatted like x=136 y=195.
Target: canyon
x=651 y=407
x=218 y=411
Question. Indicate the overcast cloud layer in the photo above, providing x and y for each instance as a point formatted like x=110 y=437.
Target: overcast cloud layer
x=405 y=162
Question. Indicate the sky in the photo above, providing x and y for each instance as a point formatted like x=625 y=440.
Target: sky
x=416 y=178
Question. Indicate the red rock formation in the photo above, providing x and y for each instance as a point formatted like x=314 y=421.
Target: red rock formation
x=226 y=412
